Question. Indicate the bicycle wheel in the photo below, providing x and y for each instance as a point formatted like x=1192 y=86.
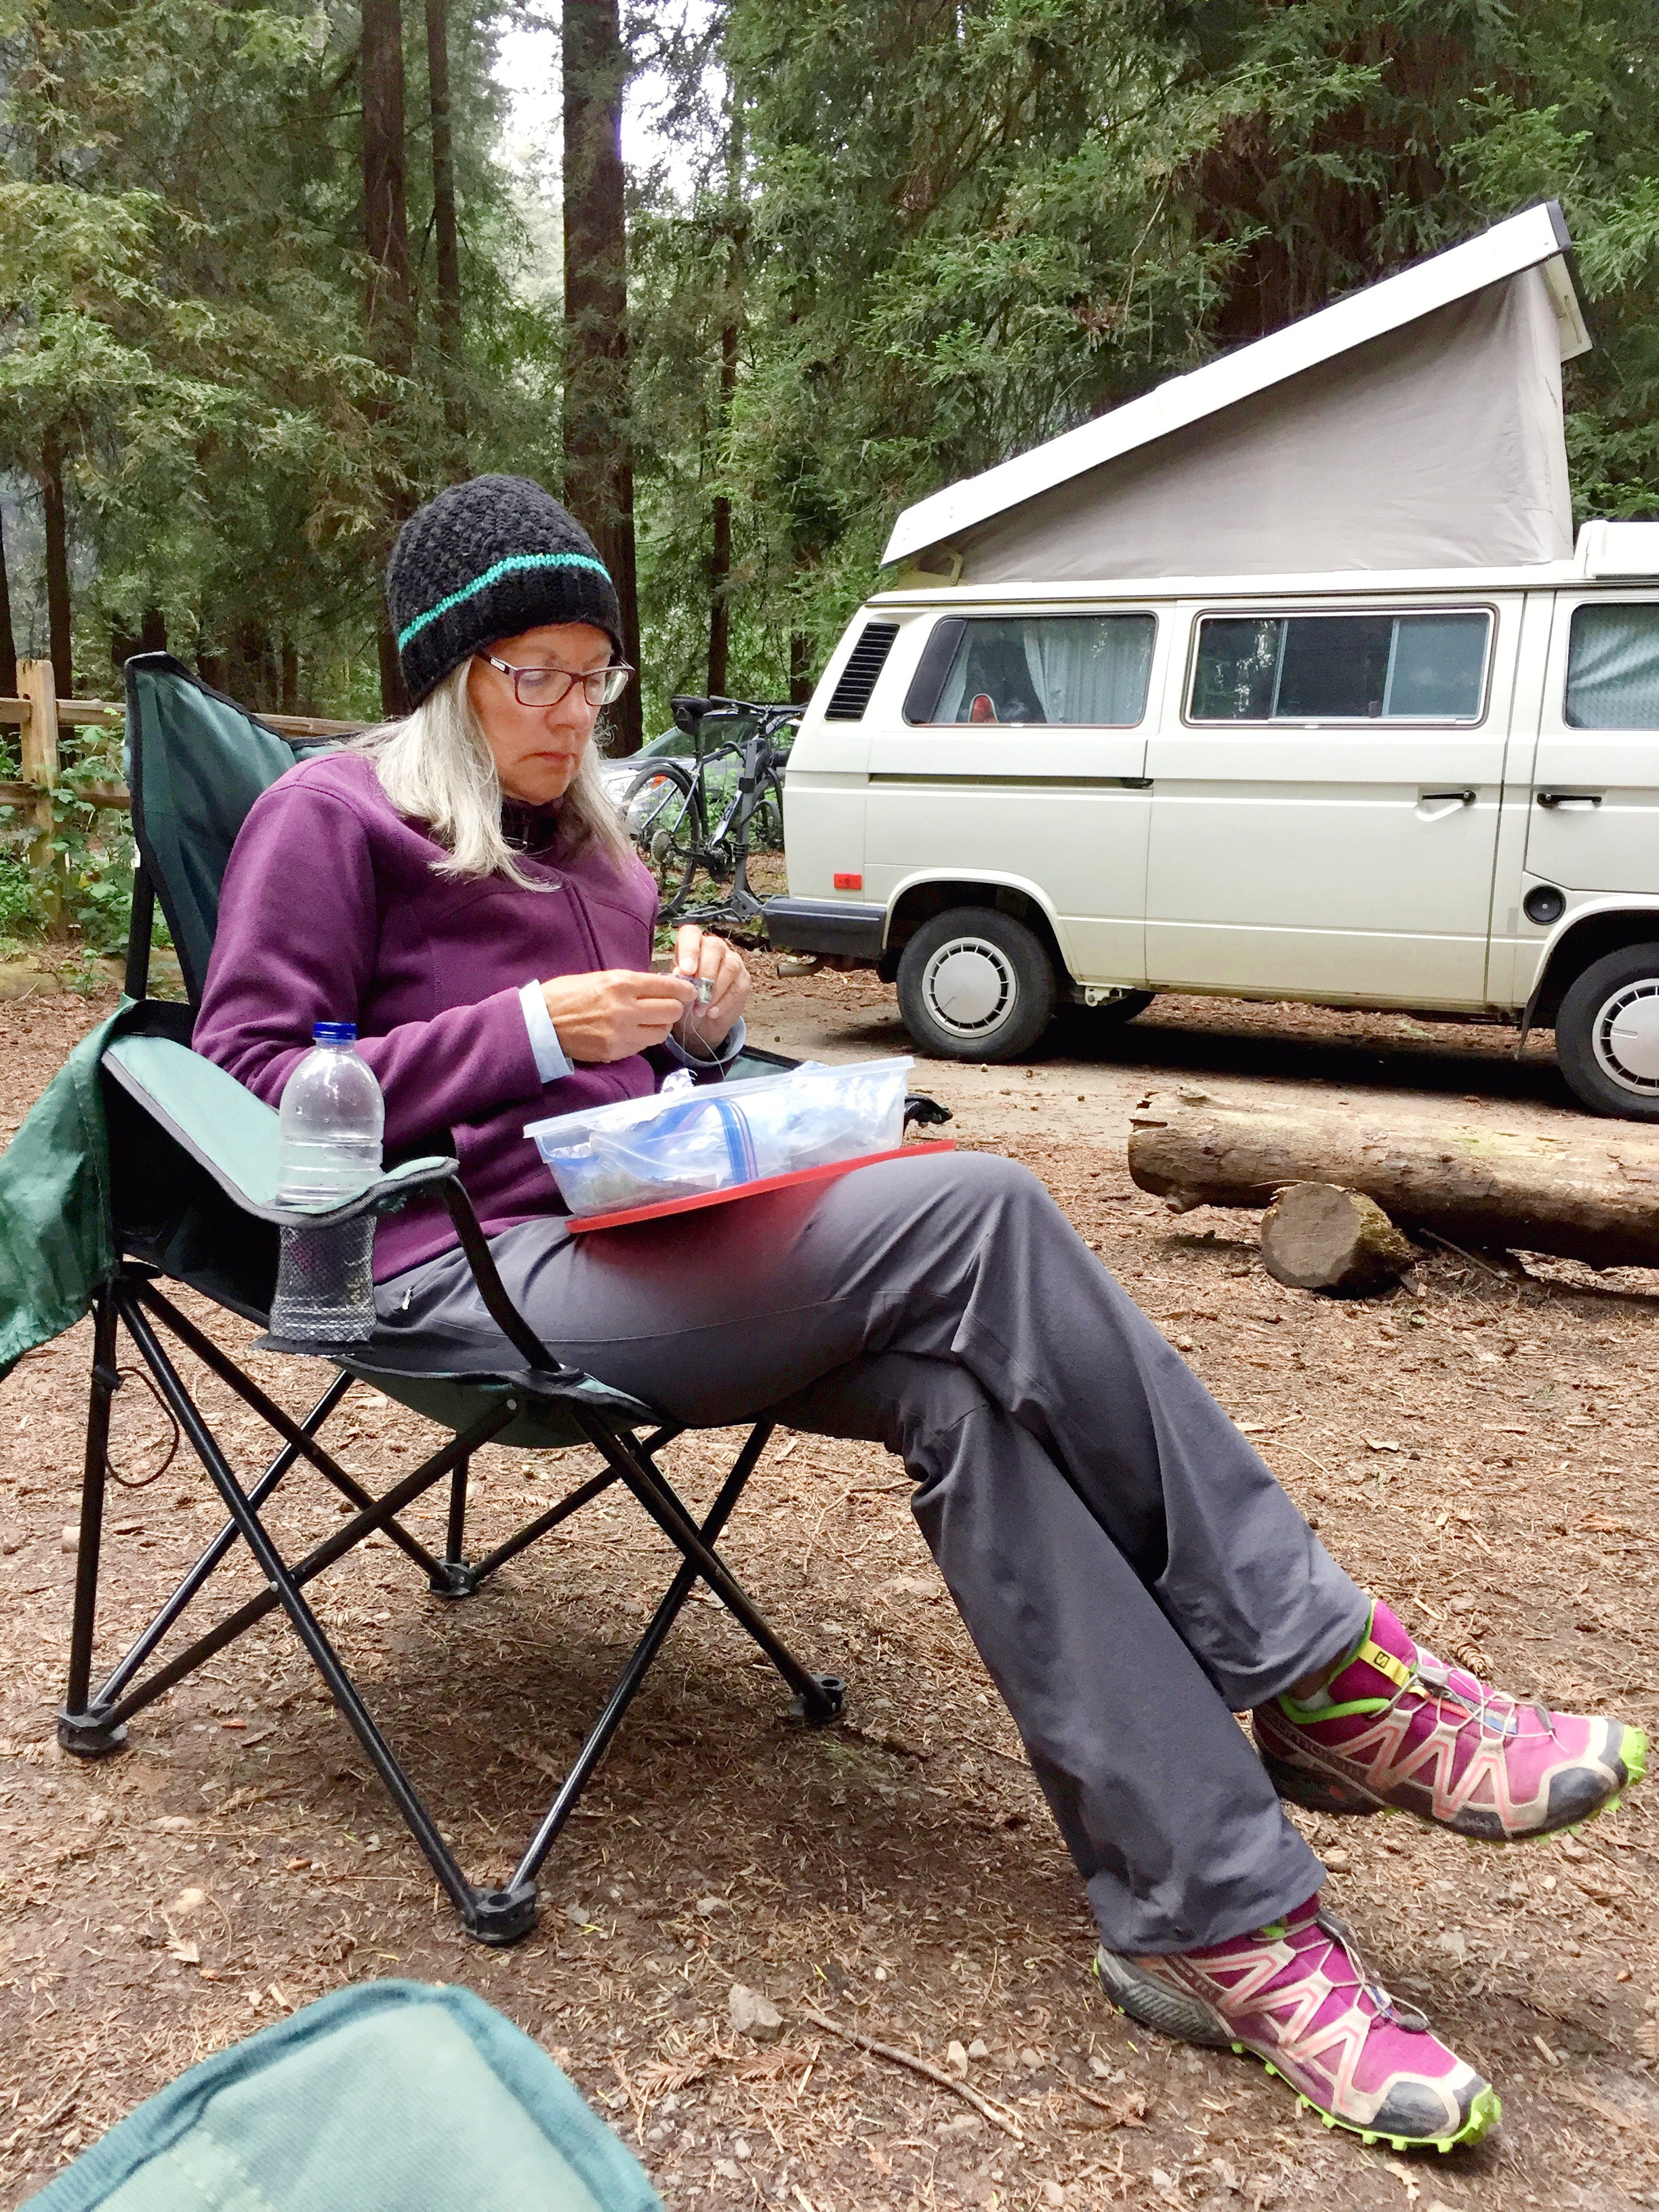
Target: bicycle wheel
x=766 y=824
x=662 y=810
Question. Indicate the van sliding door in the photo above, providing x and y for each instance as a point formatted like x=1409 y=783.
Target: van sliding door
x=1021 y=760
x=1327 y=789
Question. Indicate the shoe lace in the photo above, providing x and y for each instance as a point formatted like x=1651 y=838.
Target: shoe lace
x=1387 y=2009
x=1493 y=1712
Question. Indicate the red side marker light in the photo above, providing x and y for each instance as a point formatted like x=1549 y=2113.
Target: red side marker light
x=849 y=882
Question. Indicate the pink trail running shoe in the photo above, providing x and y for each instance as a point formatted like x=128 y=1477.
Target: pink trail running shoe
x=1399 y=1730
x=1296 y=1994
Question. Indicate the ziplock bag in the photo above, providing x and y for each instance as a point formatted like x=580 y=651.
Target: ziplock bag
x=684 y=1142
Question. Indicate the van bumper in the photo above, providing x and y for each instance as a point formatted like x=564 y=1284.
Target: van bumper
x=832 y=927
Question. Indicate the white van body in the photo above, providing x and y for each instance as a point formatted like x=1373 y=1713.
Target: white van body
x=1436 y=791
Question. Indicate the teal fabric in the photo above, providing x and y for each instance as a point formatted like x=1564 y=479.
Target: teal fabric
x=454 y=1401
x=57 y=1237
x=196 y=764
x=217 y=1114
x=389 y=2097
x=235 y=1134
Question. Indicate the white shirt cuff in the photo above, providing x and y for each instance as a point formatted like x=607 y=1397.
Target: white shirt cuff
x=730 y=1045
x=552 y=1062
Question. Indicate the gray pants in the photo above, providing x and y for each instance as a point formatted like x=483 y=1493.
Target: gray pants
x=1129 y=1570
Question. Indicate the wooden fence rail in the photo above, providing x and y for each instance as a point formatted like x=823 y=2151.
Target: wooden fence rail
x=39 y=714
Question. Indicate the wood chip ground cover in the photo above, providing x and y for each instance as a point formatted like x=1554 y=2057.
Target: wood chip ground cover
x=1477 y=1445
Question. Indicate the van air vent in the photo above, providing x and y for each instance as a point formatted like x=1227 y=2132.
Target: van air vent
x=858 y=679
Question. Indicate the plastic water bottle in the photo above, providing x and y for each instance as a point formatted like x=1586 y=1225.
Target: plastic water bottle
x=332 y=1118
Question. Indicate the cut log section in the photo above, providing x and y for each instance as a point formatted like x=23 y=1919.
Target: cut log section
x=1316 y=1237
x=1591 y=1193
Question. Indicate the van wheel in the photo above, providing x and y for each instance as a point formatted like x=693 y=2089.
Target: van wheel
x=974 y=984
x=1607 y=1034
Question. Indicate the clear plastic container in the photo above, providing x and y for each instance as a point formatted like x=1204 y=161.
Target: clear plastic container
x=332 y=1119
x=684 y=1144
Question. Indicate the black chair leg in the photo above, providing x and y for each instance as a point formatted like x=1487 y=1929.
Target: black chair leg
x=79 y=1730
x=455 y=1576
x=494 y=1916
x=286 y=1587
x=818 y=1699
x=501 y=1916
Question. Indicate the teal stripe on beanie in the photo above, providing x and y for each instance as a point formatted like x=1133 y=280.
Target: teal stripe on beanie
x=518 y=561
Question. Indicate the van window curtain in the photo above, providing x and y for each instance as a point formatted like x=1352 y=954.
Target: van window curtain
x=1078 y=669
x=1091 y=670
x=1612 y=668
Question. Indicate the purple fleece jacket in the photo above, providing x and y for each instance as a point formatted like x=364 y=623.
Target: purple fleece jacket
x=331 y=911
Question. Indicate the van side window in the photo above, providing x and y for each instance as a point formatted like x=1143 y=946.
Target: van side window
x=1089 y=670
x=1340 y=668
x=1612 y=668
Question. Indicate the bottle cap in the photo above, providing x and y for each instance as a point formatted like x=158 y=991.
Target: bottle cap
x=334 y=1032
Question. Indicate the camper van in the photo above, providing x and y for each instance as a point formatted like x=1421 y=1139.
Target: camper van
x=1060 y=759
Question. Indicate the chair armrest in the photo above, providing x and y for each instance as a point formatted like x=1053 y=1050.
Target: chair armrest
x=234 y=1136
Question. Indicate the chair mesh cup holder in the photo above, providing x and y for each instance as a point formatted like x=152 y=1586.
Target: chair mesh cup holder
x=192 y=1201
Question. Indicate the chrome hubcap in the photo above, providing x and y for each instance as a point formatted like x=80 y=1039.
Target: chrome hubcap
x=968 y=986
x=1626 y=1037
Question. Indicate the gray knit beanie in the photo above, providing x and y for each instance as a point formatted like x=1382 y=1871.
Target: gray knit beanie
x=485 y=560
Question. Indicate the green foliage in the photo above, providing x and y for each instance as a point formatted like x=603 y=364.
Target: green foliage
x=919 y=239
x=967 y=227
x=182 y=305
x=17 y=899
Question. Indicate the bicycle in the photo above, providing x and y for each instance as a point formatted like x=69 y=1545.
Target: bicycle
x=682 y=825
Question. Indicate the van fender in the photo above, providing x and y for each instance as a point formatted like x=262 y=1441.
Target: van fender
x=927 y=891
x=1601 y=924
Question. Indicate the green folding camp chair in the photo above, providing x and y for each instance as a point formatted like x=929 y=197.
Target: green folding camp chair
x=193 y=1168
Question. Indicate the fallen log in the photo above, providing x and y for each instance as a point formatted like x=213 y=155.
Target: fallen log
x=1591 y=1193
x=1316 y=1237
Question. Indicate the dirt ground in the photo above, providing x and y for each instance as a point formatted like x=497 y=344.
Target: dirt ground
x=1476 y=1446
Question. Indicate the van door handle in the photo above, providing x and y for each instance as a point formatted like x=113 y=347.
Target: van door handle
x=1436 y=797
x=1570 y=801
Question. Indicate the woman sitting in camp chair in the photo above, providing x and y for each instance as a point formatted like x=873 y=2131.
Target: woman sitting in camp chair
x=1129 y=1570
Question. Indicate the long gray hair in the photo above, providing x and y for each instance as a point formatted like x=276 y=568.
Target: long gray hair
x=435 y=767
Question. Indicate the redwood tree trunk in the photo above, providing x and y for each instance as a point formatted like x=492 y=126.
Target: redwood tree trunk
x=599 y=459
x=719 y=557
x=150 y=636
x=443 y=216
x=58 y=574
x=389 y=314
x=800 y=668
x=389 y=308
x=719 y=612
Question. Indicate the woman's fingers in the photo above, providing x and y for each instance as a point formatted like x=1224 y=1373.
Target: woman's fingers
x=690 y=945
x=612 y=1015
x=725 y=977
x=730 y=992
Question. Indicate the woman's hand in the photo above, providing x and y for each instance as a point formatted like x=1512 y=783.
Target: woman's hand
x=615 y=1013
x=700 y=957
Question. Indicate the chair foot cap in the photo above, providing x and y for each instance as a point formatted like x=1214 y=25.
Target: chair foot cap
x=500 y=1917
x=827 y=1707
x=88 y=1737
x=454 y=1578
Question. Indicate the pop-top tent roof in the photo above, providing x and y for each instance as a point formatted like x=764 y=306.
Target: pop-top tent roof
x=1416 y=424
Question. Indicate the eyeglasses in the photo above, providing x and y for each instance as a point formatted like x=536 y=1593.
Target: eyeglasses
x=546 y=687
